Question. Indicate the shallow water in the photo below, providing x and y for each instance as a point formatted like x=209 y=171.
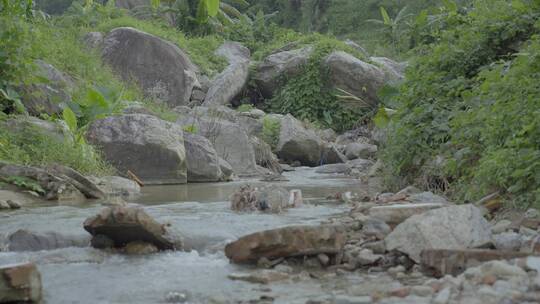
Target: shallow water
x=200 y=213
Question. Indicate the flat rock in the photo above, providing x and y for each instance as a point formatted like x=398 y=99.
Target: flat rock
x=334 y=169
x=396 y=213
x=455 y=227
x=286 y=242
x=128 y=224
x=456 y=261
x=20 y=283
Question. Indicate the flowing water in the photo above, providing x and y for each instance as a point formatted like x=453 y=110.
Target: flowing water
x=199 y=212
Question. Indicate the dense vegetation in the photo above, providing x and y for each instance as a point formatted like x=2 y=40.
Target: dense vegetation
x=469 y=111
x=467 y=120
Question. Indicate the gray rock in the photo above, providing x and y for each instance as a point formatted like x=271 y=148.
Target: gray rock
x=228 y=84
x=360 y=150
x=229 y=140
x=366 y=257
x=452 y=227
x=267 y=198
x=252 y=126
x=93 y=40
x=276 y=67
x=22 y=199
x=79 y=181
x=226 y=169
x=49 y=96
x=334 y=169
x=394 y=214
x=501 y=226
x=137 y=108
x=56 y=130
x=393 y=70
x=160 y=68
x=202 y=159
x=151 y=148
x=297 y=143
x=354 y=76
x=24 y=240
x=426 y=198
x=373 y=227
x=508 y=241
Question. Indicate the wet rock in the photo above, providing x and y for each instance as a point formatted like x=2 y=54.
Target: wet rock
x=453 y=227
x=265 y=198
x=149 y=147
x=360 y=150
x=297 y=143
x=274 y=68
x=100 y=241
x=202 y=159
x=362 y=165
x=47 y=97
x=20 y=283
x=354 y=76
x=129 y=224
x=397 y=213
x=261 y=277
x=264 y=156
x=24 y=240
x=83 y=184
x=286 y=242
x=231 y=81
x=334 y=169
x=160 y=68
x=140 y=248
x=323 y=259
x=226 y=169
x=176 y=297
x=446 y=261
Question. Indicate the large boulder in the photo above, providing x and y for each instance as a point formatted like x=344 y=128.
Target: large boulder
x=150 y=148
x=49 y=95
x=56 y=130
x=286 y=242
x=160 y=68
x=202 y=159
x=124 y=225
x=297 y=143
x=264 y=156
x=266 y=198
x=229 y=83
x=279 y=66
x=20 y=283
x=228 y=138
x=355 y=76
x=455 y=227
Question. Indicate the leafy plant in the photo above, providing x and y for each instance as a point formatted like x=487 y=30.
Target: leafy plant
x=25 y=183
x=245 y=108
x=392 y=27
x=271 y=130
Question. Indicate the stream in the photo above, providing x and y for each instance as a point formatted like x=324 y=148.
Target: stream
x=201 y=214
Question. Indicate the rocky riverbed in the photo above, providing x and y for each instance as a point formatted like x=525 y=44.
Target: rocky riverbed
x=202 y=273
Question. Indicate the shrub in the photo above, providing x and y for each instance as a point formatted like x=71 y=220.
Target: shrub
x=271 y=130
x=472 y=98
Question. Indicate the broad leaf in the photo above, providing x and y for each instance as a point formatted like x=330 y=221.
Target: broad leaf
x=70 y=119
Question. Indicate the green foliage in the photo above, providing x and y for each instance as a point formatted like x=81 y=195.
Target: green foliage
x=25 y=183
x=307 y=96
x=472 y=97
x=191 y=129
x=31 y=147
x=15 y=31
x=245 y=108
x=271 y=130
